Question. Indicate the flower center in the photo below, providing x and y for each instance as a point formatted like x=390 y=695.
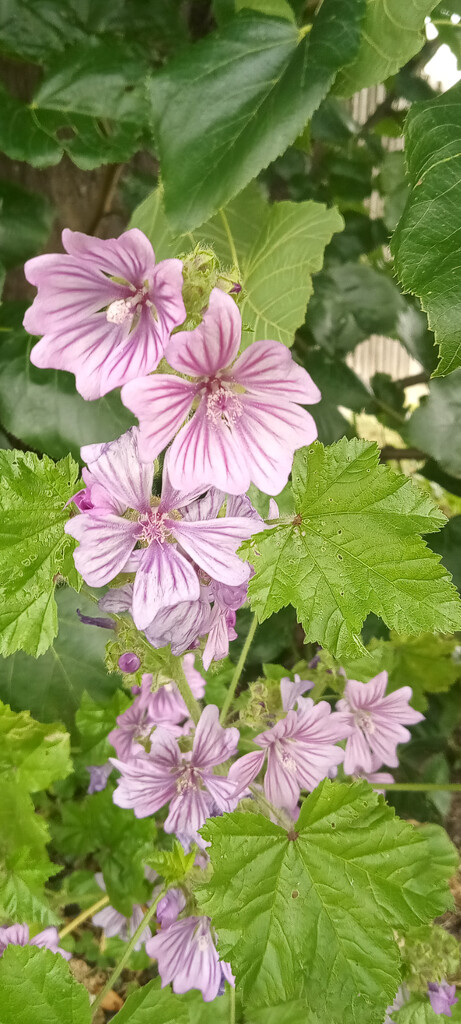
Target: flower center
x=364 y=721
x=287 y=760
x=121 y=310
x=154 y=527
x=188 y=779
x=222 y=404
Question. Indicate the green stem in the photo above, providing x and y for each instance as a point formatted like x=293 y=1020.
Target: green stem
x=232 y=1005
x=126 y=955
x=422 y=787
x=83 y=916
x=230 y=240
x=238 y=671
x=192 y=705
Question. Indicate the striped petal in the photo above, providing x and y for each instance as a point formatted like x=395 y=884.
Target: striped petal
x=117 y=468
x=106 y=543
x=267 y=367
x=213 y=345
x=161 y=403
x=212 y=545
x=164 y=578
x=209 y=455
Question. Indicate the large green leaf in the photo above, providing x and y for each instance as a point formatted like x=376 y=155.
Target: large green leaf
x=33 y=547
x=38 y=986
x=150 y=1004
x=417 y=1011
x=392 y=33
x=427 y=241
x=26 y=219
x=312 y=912
x=350 y=302
x=21 y=137
x=447 y=544
x=32 y=754
x=236 y=100
x=353 y=548
x=52 y=686
x=24 y=863
x=435 y=426
x=26 y=391
x=278 y=247
x=104 y=79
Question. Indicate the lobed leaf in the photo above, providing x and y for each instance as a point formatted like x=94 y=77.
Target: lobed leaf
x=38 y=985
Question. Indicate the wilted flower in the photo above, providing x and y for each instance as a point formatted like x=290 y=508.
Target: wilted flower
x=99 y=774
x=170 y=906
x=18 y=935
x=105 y=309
x=376 y=723
x=300 y=751
x=187 y=958
x=248 y=421
x=114 y=923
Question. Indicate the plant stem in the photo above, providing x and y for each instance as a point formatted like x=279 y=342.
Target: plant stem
x=83 y=916
x=230 y=240
x=388 y=452
x=238 y=671
x=179 y=677
x=422 y=787
x=232 y=1005
x=127 y=953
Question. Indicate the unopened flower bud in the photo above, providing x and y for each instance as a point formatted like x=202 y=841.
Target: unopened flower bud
x=129 y=662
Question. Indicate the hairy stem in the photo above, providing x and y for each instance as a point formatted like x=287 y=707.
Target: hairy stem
x=423 y=787
x=232 y=1005
x=127 y=953
x=102 y=902
x=238 y=671
x=179 y=677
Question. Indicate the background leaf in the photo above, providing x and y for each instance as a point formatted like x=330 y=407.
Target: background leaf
x=32 y=754
x=38 y=985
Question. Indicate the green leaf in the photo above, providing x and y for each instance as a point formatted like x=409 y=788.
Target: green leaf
x=102 y=79
x=151 y=1003
x=119 y=842
x=265 y=80
x=393 y=185
x=278 y=248
x=427 y=242
x=423 y=662
x=339 y=385
x=26 y=219
x=274 y=8
x=33 y=547
x=353 y=548
x=32 y=754
x=435 y=426
x=95 y=721
x=21 y=137
x=417 y=1011
x=350 y=302
x=447 y=544
x=392 y=33
x=25 y=391
x=38 y=986
x=52 y=686
x=311 y=913
x=24 y=863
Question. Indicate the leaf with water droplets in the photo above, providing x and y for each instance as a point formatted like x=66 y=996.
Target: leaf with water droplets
x=353 y=547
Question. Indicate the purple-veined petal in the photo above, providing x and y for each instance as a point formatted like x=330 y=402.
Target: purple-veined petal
x=212 y=743
x=209 y=454
x=164 y=578
x=117 y=468
x=161 y=403
x=196 y=682
x=69 y=292
x=269 y=433
x=130 y=256
x=166 y=295
x=281 y=784
x=105 y=546
x=188 y=811
x=222 y=790
x=213 y=345
x=212 y=545
x=268 y=367
x=244 y=771
x=142 y=786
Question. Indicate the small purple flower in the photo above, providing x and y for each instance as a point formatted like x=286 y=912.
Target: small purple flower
x=18 y=935
x=165 y=706
x=376 y=723
x=114 y=923
x=134 y=727
x=105 y=309
x=170 y=906
x=442 y=997
x=99 y=774
x=300 y=752
x=187 y=958
x=249 y=419
x=169 y=538
x=292 y=691
x=129 y=662
x=187 y=780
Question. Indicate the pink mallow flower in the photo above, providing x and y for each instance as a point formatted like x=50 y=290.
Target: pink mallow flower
x=442 y=997
x=292 y=692
x=165 y=705
x=187 y=958
x=120 y=515
x=18 y=935
x=105 y=309
x=187 y=780
x=248 y=419
x=300 y=752
x=376 y=723
x=113 y=923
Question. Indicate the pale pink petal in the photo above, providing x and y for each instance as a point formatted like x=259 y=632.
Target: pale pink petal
x=185 y=501
x=244 y=771
x=118 y=599
x=196 y=682
x=362 y=695
x=188 y=811
x=358 y=756
x=161 y=403
x=222 y=790
x=212 y=545
x=164 y=750
x=315 y=763
x=213 y=345
x=69 y=292
x=82 y=348
x=130 y=255
x=267 y=367
x=116 y=466
x=209 y=454
x=212 y=743
x=142 y=787
x=164 y=578
x=281 y=784
x=290 y=691
x=269 y=433
x=166 y=295
x=105 y=546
